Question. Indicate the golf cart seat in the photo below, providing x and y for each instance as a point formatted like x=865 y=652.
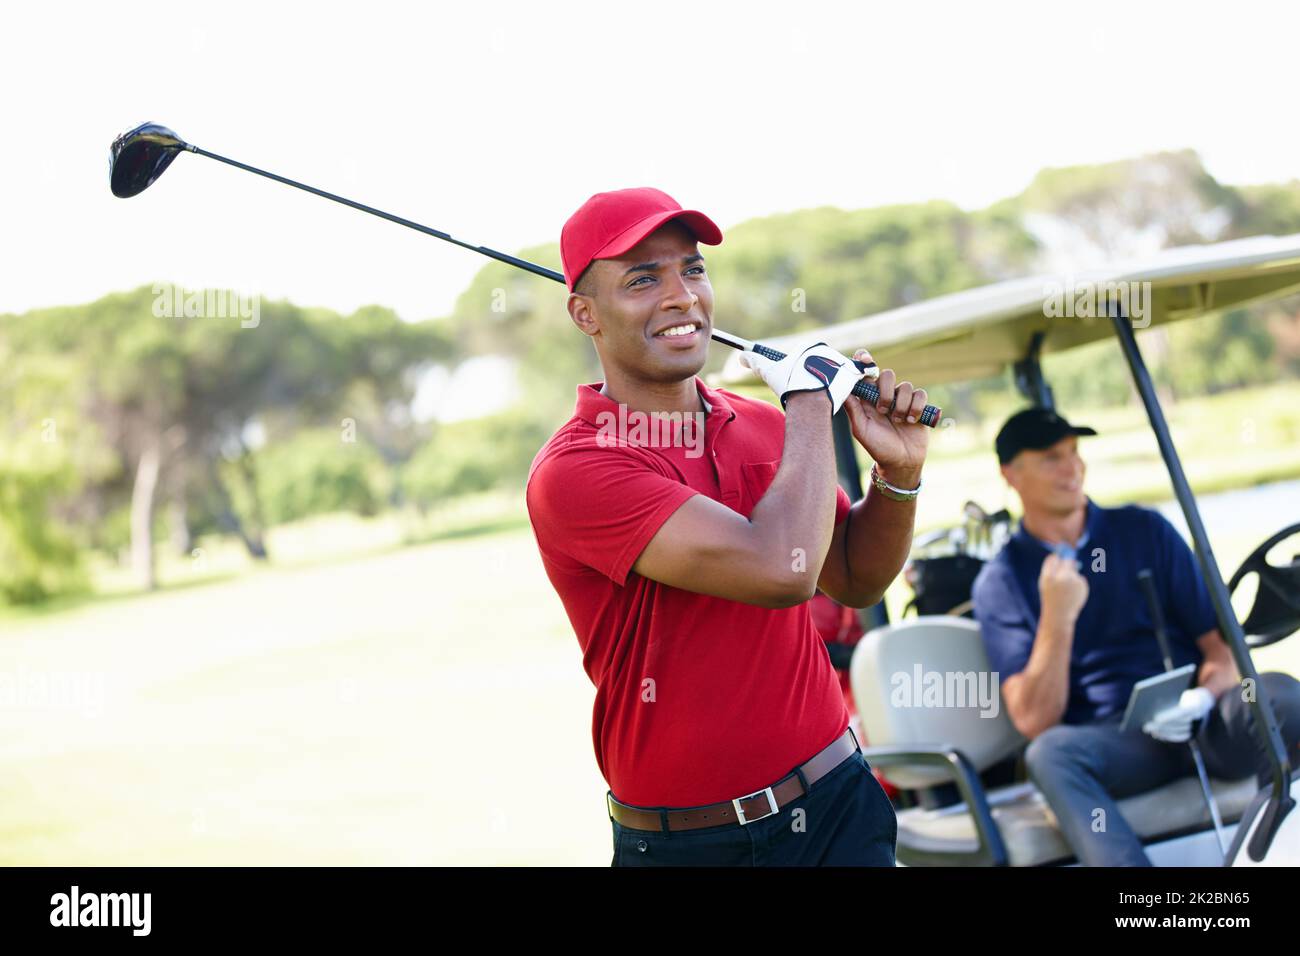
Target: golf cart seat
x=1275 y=613
x=952 y=727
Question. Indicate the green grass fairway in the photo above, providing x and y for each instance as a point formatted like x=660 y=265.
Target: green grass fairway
x=383 y=710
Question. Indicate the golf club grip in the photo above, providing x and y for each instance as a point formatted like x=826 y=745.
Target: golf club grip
x=869 y=391
x=1147 y=582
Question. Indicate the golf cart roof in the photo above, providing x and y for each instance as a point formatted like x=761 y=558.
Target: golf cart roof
x=980 y=332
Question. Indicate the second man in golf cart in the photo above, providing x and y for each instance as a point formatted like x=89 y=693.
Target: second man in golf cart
x=1067 y=630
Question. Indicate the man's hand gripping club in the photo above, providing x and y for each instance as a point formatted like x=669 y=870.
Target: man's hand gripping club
x=817 y=368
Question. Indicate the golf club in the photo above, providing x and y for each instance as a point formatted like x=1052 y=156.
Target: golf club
x=139 y=156
x=1147 y=581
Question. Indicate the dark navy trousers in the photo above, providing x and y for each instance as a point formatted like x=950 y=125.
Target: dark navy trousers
x=845 y=819
x=1084 y=770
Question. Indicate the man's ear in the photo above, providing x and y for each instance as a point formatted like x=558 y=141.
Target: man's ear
x=582 y=312
x=1009 y=475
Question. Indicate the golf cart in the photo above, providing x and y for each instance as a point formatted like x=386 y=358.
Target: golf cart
x=978 y=333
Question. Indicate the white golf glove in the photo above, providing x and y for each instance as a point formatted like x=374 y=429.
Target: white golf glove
x=1175 y=724
x=818 y=367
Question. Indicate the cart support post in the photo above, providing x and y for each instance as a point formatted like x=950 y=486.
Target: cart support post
x=1265 y=725
x=1028 y=375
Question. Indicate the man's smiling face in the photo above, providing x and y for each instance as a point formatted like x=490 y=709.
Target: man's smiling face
x=638 y=308
x=1051 y=479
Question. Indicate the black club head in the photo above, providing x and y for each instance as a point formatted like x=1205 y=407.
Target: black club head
x=139 y=157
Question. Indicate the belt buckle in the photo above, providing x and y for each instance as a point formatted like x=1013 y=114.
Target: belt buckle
x=771 y=802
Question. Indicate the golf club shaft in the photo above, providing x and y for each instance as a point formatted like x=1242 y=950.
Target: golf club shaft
x=868 y=391
x=1147 y=582
x=437 y=234
x=1209 y=795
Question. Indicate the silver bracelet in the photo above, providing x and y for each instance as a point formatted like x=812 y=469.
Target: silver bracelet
x=892 y=492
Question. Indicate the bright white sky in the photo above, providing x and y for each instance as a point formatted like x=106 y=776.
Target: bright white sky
x=494 y=121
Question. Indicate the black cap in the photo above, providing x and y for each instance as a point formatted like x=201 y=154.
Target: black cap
x=1035 y=428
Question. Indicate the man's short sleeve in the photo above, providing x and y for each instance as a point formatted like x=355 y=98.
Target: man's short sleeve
x=842 y=504
x=1185 y=596
x=1004 y=620
x=600 y=507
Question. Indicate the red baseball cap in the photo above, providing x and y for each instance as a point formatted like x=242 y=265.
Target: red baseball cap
x=609 y=224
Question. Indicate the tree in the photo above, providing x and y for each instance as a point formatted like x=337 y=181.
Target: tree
x=178 y=397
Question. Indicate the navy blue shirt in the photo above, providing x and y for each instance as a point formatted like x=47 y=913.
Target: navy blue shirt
x=1114 y=638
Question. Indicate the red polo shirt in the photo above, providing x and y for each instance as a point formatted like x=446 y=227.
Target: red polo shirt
x=699 y=699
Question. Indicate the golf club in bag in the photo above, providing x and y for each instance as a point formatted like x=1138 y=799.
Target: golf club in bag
x=138 y=157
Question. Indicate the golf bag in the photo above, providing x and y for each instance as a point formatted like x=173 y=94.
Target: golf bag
x=942 y=568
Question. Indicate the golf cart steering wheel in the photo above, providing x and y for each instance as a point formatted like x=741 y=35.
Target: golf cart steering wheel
x=1276 y=613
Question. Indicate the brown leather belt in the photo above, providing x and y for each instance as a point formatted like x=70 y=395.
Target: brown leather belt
x=747 y=809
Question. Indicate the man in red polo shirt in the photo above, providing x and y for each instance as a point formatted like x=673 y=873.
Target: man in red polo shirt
x=685 y=529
